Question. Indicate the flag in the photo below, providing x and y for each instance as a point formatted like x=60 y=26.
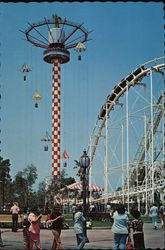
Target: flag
x=65 y=155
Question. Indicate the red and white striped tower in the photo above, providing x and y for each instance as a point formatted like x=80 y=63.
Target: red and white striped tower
x=56 y=91
x=56 y=52
x=56 y=55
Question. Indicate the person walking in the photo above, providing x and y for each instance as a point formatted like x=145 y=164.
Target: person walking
x=162 y=214
x=79 y=221
x=56 y=219
x=138 y=235
x=15 y=211
x=153 y=213
x=34 y=229
x=120 y=227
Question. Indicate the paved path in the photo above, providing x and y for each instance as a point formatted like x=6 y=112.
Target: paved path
x=98 y=239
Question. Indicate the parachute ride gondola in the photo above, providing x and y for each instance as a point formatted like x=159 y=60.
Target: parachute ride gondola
x=25 y=69
x=36 y=97
x=65 y=156
x=80 y=47
x=46 y=138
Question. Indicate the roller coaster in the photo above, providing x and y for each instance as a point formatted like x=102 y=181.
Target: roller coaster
x=142 y=170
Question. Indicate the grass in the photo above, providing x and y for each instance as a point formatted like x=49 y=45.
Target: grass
x=69 y=220
x=8 y=218
x=6 y=221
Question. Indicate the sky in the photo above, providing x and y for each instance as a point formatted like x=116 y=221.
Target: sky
x=125 y=35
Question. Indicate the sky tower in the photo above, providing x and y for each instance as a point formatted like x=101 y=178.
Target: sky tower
x=56 y=37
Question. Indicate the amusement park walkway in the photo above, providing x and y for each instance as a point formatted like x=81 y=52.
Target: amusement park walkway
x=98 y=238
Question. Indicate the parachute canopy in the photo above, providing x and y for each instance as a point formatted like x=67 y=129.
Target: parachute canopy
x=46 y=137
x=65 y=155
x=80 y=47
x=25 y=68
x=36 y=96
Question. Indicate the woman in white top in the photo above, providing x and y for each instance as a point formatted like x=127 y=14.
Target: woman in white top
x=120 y=227
x=154 y=215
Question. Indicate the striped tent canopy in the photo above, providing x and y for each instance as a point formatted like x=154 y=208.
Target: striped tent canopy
x=78 y=186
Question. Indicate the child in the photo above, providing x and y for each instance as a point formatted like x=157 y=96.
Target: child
x=138 y=235
x=26 y=234
x=34 y=229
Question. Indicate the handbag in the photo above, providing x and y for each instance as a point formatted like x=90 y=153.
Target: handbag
x=150 y=215
x=128 y=245
x=48 y=224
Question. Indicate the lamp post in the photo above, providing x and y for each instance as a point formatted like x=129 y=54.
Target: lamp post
x=84 y=164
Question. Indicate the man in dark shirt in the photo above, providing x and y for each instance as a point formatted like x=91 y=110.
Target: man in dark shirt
x=57 y=224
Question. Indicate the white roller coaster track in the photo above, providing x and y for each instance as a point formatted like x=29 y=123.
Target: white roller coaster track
x=117 y=92
x=156 y=65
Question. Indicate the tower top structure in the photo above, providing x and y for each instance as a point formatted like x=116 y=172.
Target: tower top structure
x=62 y=36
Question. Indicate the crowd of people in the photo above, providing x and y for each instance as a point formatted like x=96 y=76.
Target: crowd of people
x=127 y=232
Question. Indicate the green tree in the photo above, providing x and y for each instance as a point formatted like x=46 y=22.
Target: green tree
x=40 y=195
x=23 y=184
x=20 y=189
x=65 y=181
x=5 y=180
x=30 y=174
